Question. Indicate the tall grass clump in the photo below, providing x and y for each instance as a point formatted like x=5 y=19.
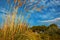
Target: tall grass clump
x=12 y=30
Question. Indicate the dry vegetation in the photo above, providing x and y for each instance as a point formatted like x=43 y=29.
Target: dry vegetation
x=16 y=31
x=20 y=31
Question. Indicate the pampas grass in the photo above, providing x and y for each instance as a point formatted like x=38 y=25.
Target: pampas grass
x=16 y=31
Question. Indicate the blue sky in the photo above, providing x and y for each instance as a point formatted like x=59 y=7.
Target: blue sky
x=40 y=12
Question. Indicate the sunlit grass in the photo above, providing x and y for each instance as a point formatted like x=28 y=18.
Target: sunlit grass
x=16 y=31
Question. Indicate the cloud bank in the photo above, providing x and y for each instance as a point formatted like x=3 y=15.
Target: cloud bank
x=53 y=20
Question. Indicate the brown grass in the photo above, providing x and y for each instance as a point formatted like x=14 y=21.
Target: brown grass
x=16 y=31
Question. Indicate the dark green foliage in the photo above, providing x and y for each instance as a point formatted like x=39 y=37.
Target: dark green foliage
x=52 y=32
x=39 y=28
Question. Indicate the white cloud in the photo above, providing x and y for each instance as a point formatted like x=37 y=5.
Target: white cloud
x=53 y=20
x=32 y=0
x=4 y=11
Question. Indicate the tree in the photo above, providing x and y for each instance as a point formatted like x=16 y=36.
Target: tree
x=39 y=28
x=53 y=28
